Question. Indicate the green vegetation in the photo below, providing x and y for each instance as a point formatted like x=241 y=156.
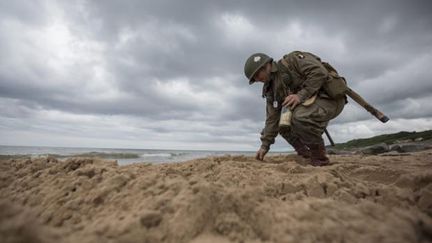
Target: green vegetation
x=386 y=138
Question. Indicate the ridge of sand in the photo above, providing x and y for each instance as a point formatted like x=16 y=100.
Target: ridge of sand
x=218 y=199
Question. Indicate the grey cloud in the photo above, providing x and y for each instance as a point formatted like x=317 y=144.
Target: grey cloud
x=383 y=48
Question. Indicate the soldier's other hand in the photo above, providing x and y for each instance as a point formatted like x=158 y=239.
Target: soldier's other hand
x=260 y=154
x=291 y=101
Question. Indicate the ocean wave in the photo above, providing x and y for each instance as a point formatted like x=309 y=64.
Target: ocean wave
x=104 y=155
x=111 y=155
x=158 y=155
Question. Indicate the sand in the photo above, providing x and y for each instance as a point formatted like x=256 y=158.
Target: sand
x=219 y=199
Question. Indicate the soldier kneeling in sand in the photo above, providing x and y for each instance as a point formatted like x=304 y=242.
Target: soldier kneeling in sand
x=306 y=86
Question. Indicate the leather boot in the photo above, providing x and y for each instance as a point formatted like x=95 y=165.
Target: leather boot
x=301 y=149
x=318 y=154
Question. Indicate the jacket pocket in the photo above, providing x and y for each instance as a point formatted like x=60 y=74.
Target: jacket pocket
x=335 y=86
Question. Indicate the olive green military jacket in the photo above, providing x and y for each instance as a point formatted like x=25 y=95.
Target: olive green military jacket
x=304 y=76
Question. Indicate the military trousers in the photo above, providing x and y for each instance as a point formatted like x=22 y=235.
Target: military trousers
x=308 y=122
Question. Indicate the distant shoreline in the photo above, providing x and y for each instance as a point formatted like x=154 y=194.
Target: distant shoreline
x=123 y=156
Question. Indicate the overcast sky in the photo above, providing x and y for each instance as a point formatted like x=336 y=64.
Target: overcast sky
x=169 y=74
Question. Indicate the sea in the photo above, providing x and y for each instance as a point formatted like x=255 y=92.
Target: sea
x=123 y=156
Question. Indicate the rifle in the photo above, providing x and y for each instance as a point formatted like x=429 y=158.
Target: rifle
x=357 y=98
x=375 y=112
x=329 y=137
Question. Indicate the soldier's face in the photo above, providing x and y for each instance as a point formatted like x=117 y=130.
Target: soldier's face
x=263 y=75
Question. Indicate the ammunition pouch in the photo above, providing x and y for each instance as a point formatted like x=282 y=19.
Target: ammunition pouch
x=335 y=85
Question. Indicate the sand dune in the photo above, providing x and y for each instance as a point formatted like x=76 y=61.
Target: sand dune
x=219 y=199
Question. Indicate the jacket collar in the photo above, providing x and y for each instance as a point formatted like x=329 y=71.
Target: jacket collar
x=274 y=67
x=267 y=85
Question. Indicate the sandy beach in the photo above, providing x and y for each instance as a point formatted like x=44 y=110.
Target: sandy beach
x=218 y=199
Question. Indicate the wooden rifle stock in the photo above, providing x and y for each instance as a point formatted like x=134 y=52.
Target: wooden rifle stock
x=375 y=112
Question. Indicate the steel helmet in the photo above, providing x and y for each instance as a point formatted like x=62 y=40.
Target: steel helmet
x=254 y=63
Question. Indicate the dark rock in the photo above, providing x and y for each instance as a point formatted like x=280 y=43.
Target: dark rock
x=334 y=151
x=395 y=153
x=375 y=149
x=409 y=147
